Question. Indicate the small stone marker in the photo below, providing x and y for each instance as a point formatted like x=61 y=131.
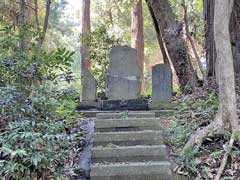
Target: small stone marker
x=161 y=83
x=124 y=74
x=88 y=87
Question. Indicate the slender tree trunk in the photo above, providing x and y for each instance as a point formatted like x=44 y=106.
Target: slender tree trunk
x=40 y=43
x=174 y=41
x=159 y=36
x=225 y=68
x=137 y=36
x=85 y=29
x=190 y=37
x=30 y=9
x=22 y=20
x=88 y=82
x=36 y=14
x=209 y=37
x=44 y=30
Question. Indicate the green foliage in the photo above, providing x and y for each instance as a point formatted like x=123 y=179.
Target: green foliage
x=35 y=142
x=17 y=66
x=35 y=115
x=176 y=89
x=68 y=100
x=31 y=148
x=100 y=43
x=193 y=113
x=148 y=92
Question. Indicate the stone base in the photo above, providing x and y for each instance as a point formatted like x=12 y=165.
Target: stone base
x=123 y=105
x=132 y=105
x=89 y=105
x=162 y=106
x=114 y=105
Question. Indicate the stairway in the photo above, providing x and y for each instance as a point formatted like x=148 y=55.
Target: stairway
x=129 y=147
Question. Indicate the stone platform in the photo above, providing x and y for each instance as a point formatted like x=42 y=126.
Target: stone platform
x=114 y=105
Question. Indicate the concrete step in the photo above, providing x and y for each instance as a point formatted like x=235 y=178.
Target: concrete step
x=148 y=137
x=129 y=154
x=132 y=171
x=106 y=125
x=123 y=114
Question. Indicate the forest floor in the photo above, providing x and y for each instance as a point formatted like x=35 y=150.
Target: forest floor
x=197 y=111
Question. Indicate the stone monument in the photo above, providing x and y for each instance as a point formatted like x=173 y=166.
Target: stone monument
x=161 y=83
x=88 y=87
x=124 y=74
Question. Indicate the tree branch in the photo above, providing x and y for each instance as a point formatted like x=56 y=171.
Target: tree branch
x=119 y=10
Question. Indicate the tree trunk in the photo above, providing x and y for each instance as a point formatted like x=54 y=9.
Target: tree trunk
x=174 y=41
x=22 y=19
x=159 y=36
x=85 y=29
x=29 y=13
x=188 y=34
x=137 y=36
x=209 y=37
x=210 y=44
x=225 y=68
x=235 y=35
x=88 y=82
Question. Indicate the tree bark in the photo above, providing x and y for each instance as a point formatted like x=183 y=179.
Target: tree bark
x=225 y=68
x=209 y=37
x=88 y=82
x=235 y=35
x=85 y=29
x=29 y=12
x=137 y=37
x=174 y=41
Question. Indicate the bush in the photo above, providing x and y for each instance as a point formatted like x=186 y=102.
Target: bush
x=32 y=148
x=34 y=142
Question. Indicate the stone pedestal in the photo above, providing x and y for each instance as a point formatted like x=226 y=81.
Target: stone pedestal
x=88 y=87
x=124 y=74
x=161 y=83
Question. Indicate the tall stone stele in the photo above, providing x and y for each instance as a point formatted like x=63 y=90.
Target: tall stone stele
x=124 y=74
x=161 y=83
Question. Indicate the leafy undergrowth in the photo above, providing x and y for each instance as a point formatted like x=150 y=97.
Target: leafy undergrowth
x=40 y=136
x=200 y=163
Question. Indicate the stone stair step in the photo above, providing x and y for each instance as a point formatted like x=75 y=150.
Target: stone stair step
x=129 y=154
x=132 y=171
x=148 y=137
x=130 y=115
x=131 y=123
